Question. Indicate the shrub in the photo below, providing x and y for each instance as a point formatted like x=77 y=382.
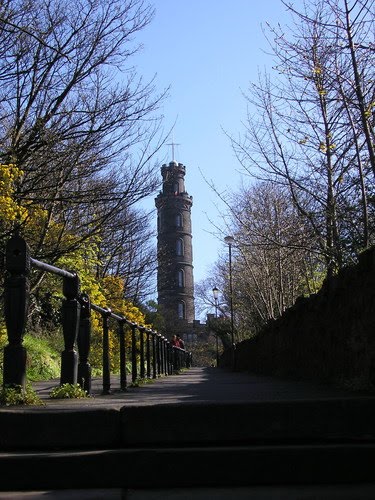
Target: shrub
x=68 y=391
x=204 y=354
x=15 y=395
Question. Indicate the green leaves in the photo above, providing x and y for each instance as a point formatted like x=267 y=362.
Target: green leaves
x=68 y=391
x=16 y=395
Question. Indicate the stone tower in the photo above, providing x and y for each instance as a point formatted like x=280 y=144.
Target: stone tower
x=175 y=252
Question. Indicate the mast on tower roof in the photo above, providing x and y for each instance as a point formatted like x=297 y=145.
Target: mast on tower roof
x=173 y=144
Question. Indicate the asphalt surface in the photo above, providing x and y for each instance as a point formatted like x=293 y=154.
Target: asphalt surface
x=196 y=385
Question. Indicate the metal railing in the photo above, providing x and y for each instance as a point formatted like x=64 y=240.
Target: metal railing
x=155 y=357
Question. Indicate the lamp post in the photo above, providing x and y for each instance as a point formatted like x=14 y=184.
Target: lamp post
x=215 y=291
x=229 y=240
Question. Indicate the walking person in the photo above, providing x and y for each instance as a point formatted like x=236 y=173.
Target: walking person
x=181 y=343
x=174 y=341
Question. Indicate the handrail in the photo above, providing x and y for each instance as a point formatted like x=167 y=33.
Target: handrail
x=51 y=269
x=161 y=357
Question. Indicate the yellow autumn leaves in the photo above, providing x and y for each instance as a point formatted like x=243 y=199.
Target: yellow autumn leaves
x=105 y=292
x=10 y=210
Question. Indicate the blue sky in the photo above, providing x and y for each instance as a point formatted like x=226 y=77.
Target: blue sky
x=207 y=51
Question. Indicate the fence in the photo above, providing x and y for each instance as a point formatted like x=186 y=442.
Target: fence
x=155 y=356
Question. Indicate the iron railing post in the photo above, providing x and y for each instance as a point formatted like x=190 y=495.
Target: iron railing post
x=121 y=331
x=165 y=344
x=174 y=358
x=16 y=300
x=171 y=358
x=106 y=360
x=158 y=355
x=83 y=343
x=134 y=353
x=161 y=355
x=154 y=354
x=148 y=360
x=142 y=352
x=70 y=320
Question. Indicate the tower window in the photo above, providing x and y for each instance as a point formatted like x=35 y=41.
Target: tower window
x=181 y=310
x=178 y=220
x=176 y=188
x=181 y=278
x=179 y=247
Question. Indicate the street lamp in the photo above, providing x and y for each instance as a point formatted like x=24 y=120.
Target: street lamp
x=215 y=291
x=229 y=240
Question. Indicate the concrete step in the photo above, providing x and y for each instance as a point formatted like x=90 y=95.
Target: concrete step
x=189 y=424
x=191 y=467
x=205 y=433
x=250 y=423
x=365 y=491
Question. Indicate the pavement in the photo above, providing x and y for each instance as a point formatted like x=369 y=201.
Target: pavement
x=196 y=385
x=230 y=434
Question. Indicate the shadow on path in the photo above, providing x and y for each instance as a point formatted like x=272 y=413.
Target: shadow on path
x=199 y=385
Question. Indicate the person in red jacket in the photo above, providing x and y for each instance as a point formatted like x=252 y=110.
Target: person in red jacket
x=174 y=341
x=181 y=343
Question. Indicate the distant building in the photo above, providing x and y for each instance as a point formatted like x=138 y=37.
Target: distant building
x=175 y=254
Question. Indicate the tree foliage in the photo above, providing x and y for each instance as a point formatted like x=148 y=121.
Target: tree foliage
x=10 y=210
x=79 y=133
x=313 y=131
x=308 y=151
x=75 y=117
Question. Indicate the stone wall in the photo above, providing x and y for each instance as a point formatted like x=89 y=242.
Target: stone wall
x=328 y=337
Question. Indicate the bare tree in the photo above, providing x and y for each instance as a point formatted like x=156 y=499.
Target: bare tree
x=126 y=249
x=300 y=136
x=273 y=262
x=349 y=27
x=74 y=115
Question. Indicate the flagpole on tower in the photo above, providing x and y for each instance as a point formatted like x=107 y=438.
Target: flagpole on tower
x=173 y=144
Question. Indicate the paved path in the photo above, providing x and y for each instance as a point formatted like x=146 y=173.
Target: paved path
x=197 y=385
